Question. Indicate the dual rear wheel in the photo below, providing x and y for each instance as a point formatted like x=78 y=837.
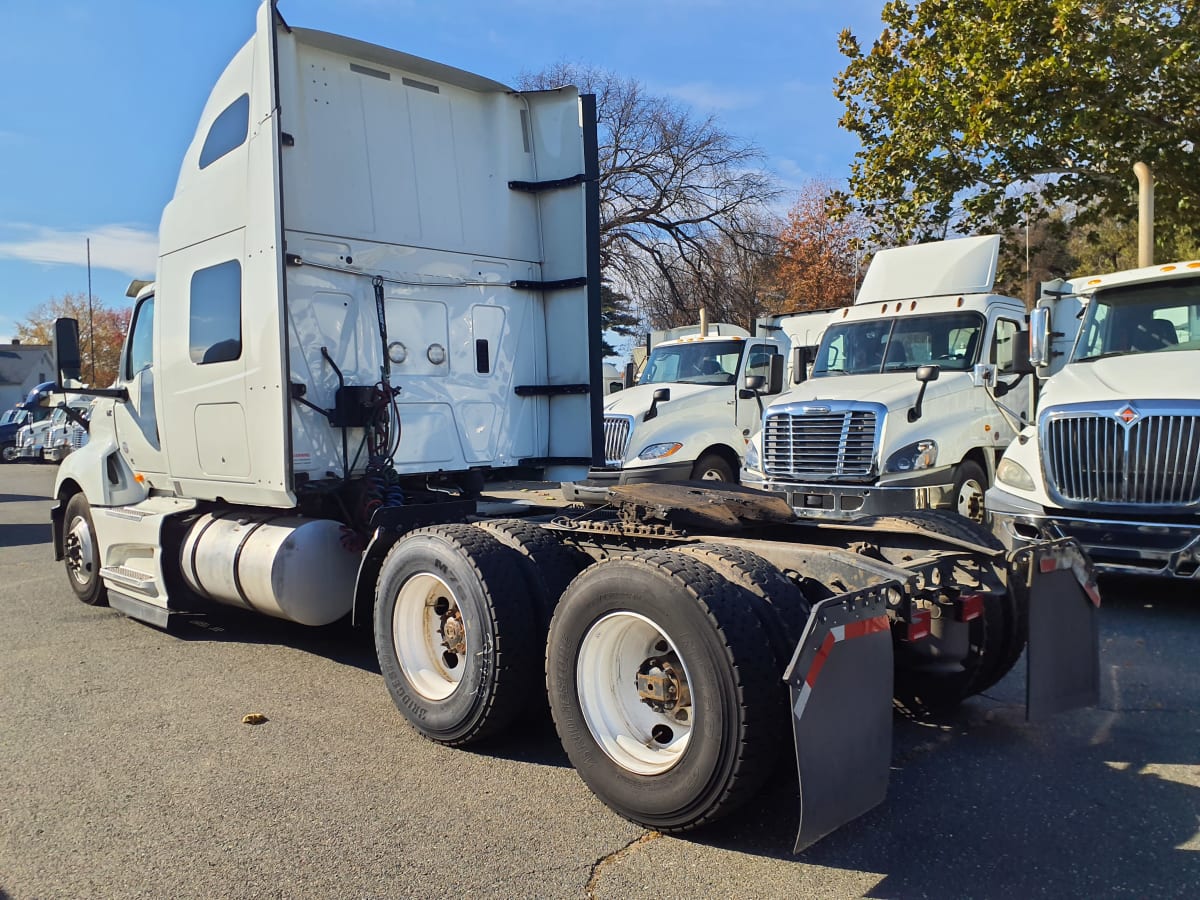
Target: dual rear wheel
x=664 y=685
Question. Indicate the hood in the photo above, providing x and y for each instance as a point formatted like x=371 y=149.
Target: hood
x=895 y=390
x=1166 y=375
x=635 y=400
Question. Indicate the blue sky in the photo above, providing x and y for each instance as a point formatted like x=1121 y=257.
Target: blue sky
x=98 y=101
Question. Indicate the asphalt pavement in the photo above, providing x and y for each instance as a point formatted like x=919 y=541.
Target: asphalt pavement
x=126 y=771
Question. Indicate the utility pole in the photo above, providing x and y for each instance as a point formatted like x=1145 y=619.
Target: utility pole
x=91 y=329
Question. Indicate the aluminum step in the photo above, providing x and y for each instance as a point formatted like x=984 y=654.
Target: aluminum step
x=128 y=578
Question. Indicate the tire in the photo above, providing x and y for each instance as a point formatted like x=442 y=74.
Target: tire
x=8 y=453
x=713 y=467
x=81 y=553
x=970 y=482
x=780 y=605
x=673 y=617
x=549 y=565
x=995 y=639
x=455 y=633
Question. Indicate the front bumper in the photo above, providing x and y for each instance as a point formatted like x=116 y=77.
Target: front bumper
x=1115 y=546
x=595 y=489
x=850 y=501
x=34 y=452
x=55 y=454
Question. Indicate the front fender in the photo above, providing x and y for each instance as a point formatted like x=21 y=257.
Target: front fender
x=694 y=444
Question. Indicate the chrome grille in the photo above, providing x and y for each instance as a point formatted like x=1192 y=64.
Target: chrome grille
x=616 y=438
x=25 y=437
x=78 y=437
x=835 y=443
x=1096 y=458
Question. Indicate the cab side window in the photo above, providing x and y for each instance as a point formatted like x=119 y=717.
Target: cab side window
x=228 y=131
x=1002 y=346
x=215 y=325
x=141 y=339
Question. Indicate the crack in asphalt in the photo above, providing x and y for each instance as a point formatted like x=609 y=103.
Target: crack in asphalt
x=603 y=862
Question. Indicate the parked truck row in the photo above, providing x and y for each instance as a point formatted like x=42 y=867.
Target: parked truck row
x=1113 y=456
x=340 y=342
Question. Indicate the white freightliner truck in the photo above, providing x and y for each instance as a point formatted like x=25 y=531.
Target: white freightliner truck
x=379 y=273
x=691 y=413
x=862 y=436
x=1113 y=458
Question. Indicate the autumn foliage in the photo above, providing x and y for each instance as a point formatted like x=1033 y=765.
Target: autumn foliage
x=109 y=327
x=817 y=264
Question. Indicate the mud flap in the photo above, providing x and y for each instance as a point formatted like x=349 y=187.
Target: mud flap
x=1063 y=655
x=841 y=689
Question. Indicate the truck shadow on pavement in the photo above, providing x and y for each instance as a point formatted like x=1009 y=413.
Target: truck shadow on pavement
x=1092 y=802
x=25 y=498
x=1095 y=802
x=22 y=535
x=339 y=642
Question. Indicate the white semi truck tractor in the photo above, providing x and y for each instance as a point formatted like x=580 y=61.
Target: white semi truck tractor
x=379 y=275
x=914 y=392
x=697 y=403
x=1113 y=458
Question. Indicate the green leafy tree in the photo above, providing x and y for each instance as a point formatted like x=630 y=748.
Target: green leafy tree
x=616 y=316
x=964 y=106
x=102 y=327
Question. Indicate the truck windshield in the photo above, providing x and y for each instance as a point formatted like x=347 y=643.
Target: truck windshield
x=13 y=417
x=949 y=340
x=1141 y=318
x=699 y=362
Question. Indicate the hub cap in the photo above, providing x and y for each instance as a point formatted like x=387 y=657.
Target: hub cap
x=970 y=500
x=79 y=550
x=429 y=636
x=634 y=693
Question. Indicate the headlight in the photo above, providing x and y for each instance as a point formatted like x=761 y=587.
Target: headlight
x=752 y=456
x=658 y=451
x=920 y=455
x=1014 y=474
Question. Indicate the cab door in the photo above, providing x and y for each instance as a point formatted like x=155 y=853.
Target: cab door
x=135 y=420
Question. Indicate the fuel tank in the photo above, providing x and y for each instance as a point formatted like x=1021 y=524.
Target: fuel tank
x=284 y=566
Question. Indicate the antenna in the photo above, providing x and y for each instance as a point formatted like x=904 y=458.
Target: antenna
x=91 y=329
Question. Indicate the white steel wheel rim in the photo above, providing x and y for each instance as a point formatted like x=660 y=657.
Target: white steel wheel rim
x=429 y=637
x=712 y=473
x=970 y=500
x=80 y=551
x=610 y=656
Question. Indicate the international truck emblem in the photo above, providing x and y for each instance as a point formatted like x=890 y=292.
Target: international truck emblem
x=1127 y=414
x=814 y=410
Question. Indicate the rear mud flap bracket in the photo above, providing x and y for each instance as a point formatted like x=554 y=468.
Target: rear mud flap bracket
x=840 y=679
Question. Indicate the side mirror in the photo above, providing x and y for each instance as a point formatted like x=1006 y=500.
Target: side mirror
x=629 y=379
x=1022 y=364
x=925 y=374
x=67 y=363
x=1039 y=337
x=754 y=386
x=802 y=357
x=775 y=376
x=661 y=395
